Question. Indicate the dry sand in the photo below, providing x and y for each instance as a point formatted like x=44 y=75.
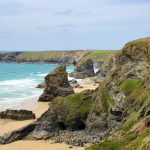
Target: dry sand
x=38 y=145
x=39 y=109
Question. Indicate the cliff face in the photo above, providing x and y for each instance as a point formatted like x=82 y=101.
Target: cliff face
x=121 y=103
x=122 y=88
x=65 y=57
x=123 y=100
x=84 y=69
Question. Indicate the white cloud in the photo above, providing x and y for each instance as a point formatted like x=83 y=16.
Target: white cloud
x=78 y=18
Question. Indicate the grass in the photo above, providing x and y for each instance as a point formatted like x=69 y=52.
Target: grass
x=74 y=104
x=146 y=39
x=99 y=55
x=129 y=141
x=140 y=42
x=130 y=84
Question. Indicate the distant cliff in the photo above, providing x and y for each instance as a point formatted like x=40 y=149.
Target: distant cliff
x=66 y=57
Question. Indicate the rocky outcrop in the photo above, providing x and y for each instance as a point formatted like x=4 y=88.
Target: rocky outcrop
x=84 y=69
x=17 y=115
x=57 y=84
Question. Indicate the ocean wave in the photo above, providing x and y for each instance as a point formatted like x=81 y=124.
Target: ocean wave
x=16 y=82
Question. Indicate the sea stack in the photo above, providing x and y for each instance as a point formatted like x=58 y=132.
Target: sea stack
x=84 y=69
x=57 y=84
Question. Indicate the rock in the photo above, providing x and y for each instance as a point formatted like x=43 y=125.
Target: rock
x=17 y=115
x=17 y=135
x=76 y=86
x=147 y=122
x=73 y=81
x=84 y=69
x=57 y=84
x=41 y=86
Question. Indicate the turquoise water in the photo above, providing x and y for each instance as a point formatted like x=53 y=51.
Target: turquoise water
x=18 y=82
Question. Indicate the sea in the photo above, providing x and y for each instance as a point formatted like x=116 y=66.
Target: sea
x=18 y=82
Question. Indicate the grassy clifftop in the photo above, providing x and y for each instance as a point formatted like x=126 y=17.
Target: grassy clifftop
x=102 y=55
x=64 y=56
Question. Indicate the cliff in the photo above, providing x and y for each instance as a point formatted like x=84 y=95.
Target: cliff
x=66 y=57
x=117 y=112
x=124 y=100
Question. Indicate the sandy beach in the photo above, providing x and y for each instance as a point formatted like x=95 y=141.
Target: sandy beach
x=38 y=108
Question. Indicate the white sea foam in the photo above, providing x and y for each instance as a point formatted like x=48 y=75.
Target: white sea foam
x=41 y=75
x=20 y=87
x=16 y=82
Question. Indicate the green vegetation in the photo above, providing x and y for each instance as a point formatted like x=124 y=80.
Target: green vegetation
x=74 y=105
x=146 y=39
x=60 y=70
x=139 y=42
x=128 y=141
x=131 y=84
x=106 y=100
x=99 y=55
x=88 y=54
x=39 y=55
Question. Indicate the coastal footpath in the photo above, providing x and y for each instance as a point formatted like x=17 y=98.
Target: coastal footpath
x=114 y=116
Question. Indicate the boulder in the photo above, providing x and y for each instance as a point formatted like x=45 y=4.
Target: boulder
x=57 y=84
x=41 y=86
x=73 y=81
x=17 y=115
x=84 y=69
x=76 y=85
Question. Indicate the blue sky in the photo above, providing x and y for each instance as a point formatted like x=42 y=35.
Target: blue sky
x=72 y=24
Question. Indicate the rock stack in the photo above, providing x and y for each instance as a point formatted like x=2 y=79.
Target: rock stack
x=56 y=84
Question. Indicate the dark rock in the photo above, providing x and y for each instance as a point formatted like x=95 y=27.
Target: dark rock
x=147 y=121
x=84 y=69
x=17 y=115
x=41 y=86
x=57 y=84
x=17 y=135
x=73 y=81
x=116 y=114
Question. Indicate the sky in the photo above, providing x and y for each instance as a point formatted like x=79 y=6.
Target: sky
x=35 y=25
